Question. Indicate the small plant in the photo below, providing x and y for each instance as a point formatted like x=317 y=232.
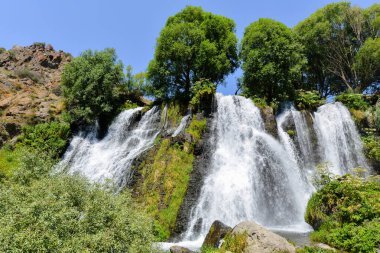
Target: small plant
x=2 y=50
x=259 y=102
x=196 y=128
x=308 y=100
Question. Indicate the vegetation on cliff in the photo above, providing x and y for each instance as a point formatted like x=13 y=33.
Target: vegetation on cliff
x=345 y=212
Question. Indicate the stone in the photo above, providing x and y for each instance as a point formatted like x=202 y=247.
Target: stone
x=217 y=232
x=179 y=249
x=254 y=238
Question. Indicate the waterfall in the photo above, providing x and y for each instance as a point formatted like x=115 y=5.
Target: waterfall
x=251 y=175
x=182 y=125
x=111 y=157
x=339 y=142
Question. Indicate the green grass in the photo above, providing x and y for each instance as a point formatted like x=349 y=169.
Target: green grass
x=9 y=161
x=196 y=128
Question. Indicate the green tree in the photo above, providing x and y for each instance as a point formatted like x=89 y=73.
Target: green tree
x=367 y=62
x=93 y=85
x=193 y=45
x=372 y=21
x=272 y=60
x=332 y=36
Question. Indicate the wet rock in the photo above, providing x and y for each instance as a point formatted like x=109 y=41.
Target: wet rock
x=253 y=238
x=269 y=119
x=217 y=232
x=178 y=249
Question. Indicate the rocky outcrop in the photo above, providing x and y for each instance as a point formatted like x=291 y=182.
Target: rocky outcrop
x=269 y=118
x=217 y=232
x=29 y=86
x=249 y=237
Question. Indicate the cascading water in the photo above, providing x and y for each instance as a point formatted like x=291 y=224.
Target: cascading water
x=300 y=150
x=338 y=139
x=182 y=125
x=251 y=176
x=112 y=157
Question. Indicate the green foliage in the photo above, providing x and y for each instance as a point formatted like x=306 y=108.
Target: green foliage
x=129 y=105
x=67 y=214
x=202 y=94
x=377 y=115
x=272 y=60
x=2 y=50
x=346 y=213
x=235 y=242
x=9 y=161
x=371 y=147
x=309 y=249
x=352 y=101
x=367 y=61
x=193 y=45
x=26 y=73
x=93 y=85
x=46 y=137
x=196 y=128
x=259 y=102
x=332 y=36
x=308 y=100
x=166 y=173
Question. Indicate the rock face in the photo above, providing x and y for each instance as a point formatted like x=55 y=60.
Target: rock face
x=217 y=232
x=253 y=238
x=203 y=154
x=178 y=249
x=29 y=86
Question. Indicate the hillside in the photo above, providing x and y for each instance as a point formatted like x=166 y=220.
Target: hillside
x=29 y=86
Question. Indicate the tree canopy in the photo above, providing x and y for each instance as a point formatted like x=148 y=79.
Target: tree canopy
x=93 y=85
x=193 y=45
x=332 y=36
x=272 y=60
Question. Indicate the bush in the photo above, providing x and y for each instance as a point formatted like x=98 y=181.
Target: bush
x=346 y=213
x=352 y=101
x=202 y=94
x=93 y=85
x=2 y=50
x=67 y=214
x=371 y=147
x=308 y=100
x=48 y=138
x=26 y=73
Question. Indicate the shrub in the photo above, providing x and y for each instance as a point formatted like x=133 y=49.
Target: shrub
x=2 y=50
x=371 y=146
x=67 y=214
x=49 y=138
x=26 y=73
x=346 y=213
x=352 y=101
x=308 y=100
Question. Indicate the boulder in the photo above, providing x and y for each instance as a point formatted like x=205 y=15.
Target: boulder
x=249 y=237
x=179 y=249
x=217 y=232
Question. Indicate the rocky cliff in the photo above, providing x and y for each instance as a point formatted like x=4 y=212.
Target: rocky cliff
x=29 y=86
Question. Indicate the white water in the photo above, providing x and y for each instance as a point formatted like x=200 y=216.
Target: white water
x=251 y=177
x=111 y=157
x=182 y=125
x=339 y=142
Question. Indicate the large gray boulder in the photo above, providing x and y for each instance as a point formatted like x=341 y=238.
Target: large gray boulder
x=179 y=249
x=217 y=232
x=252 y=238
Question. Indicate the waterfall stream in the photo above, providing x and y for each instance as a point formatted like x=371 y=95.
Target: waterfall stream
x=111 y=157
x=252 y=176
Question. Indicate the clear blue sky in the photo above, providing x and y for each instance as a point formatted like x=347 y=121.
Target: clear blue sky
x=131 y=27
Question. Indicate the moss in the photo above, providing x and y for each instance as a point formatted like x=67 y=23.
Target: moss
x=235 y=242
x=196 y=128
x=164 y=183
x=291 y=132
